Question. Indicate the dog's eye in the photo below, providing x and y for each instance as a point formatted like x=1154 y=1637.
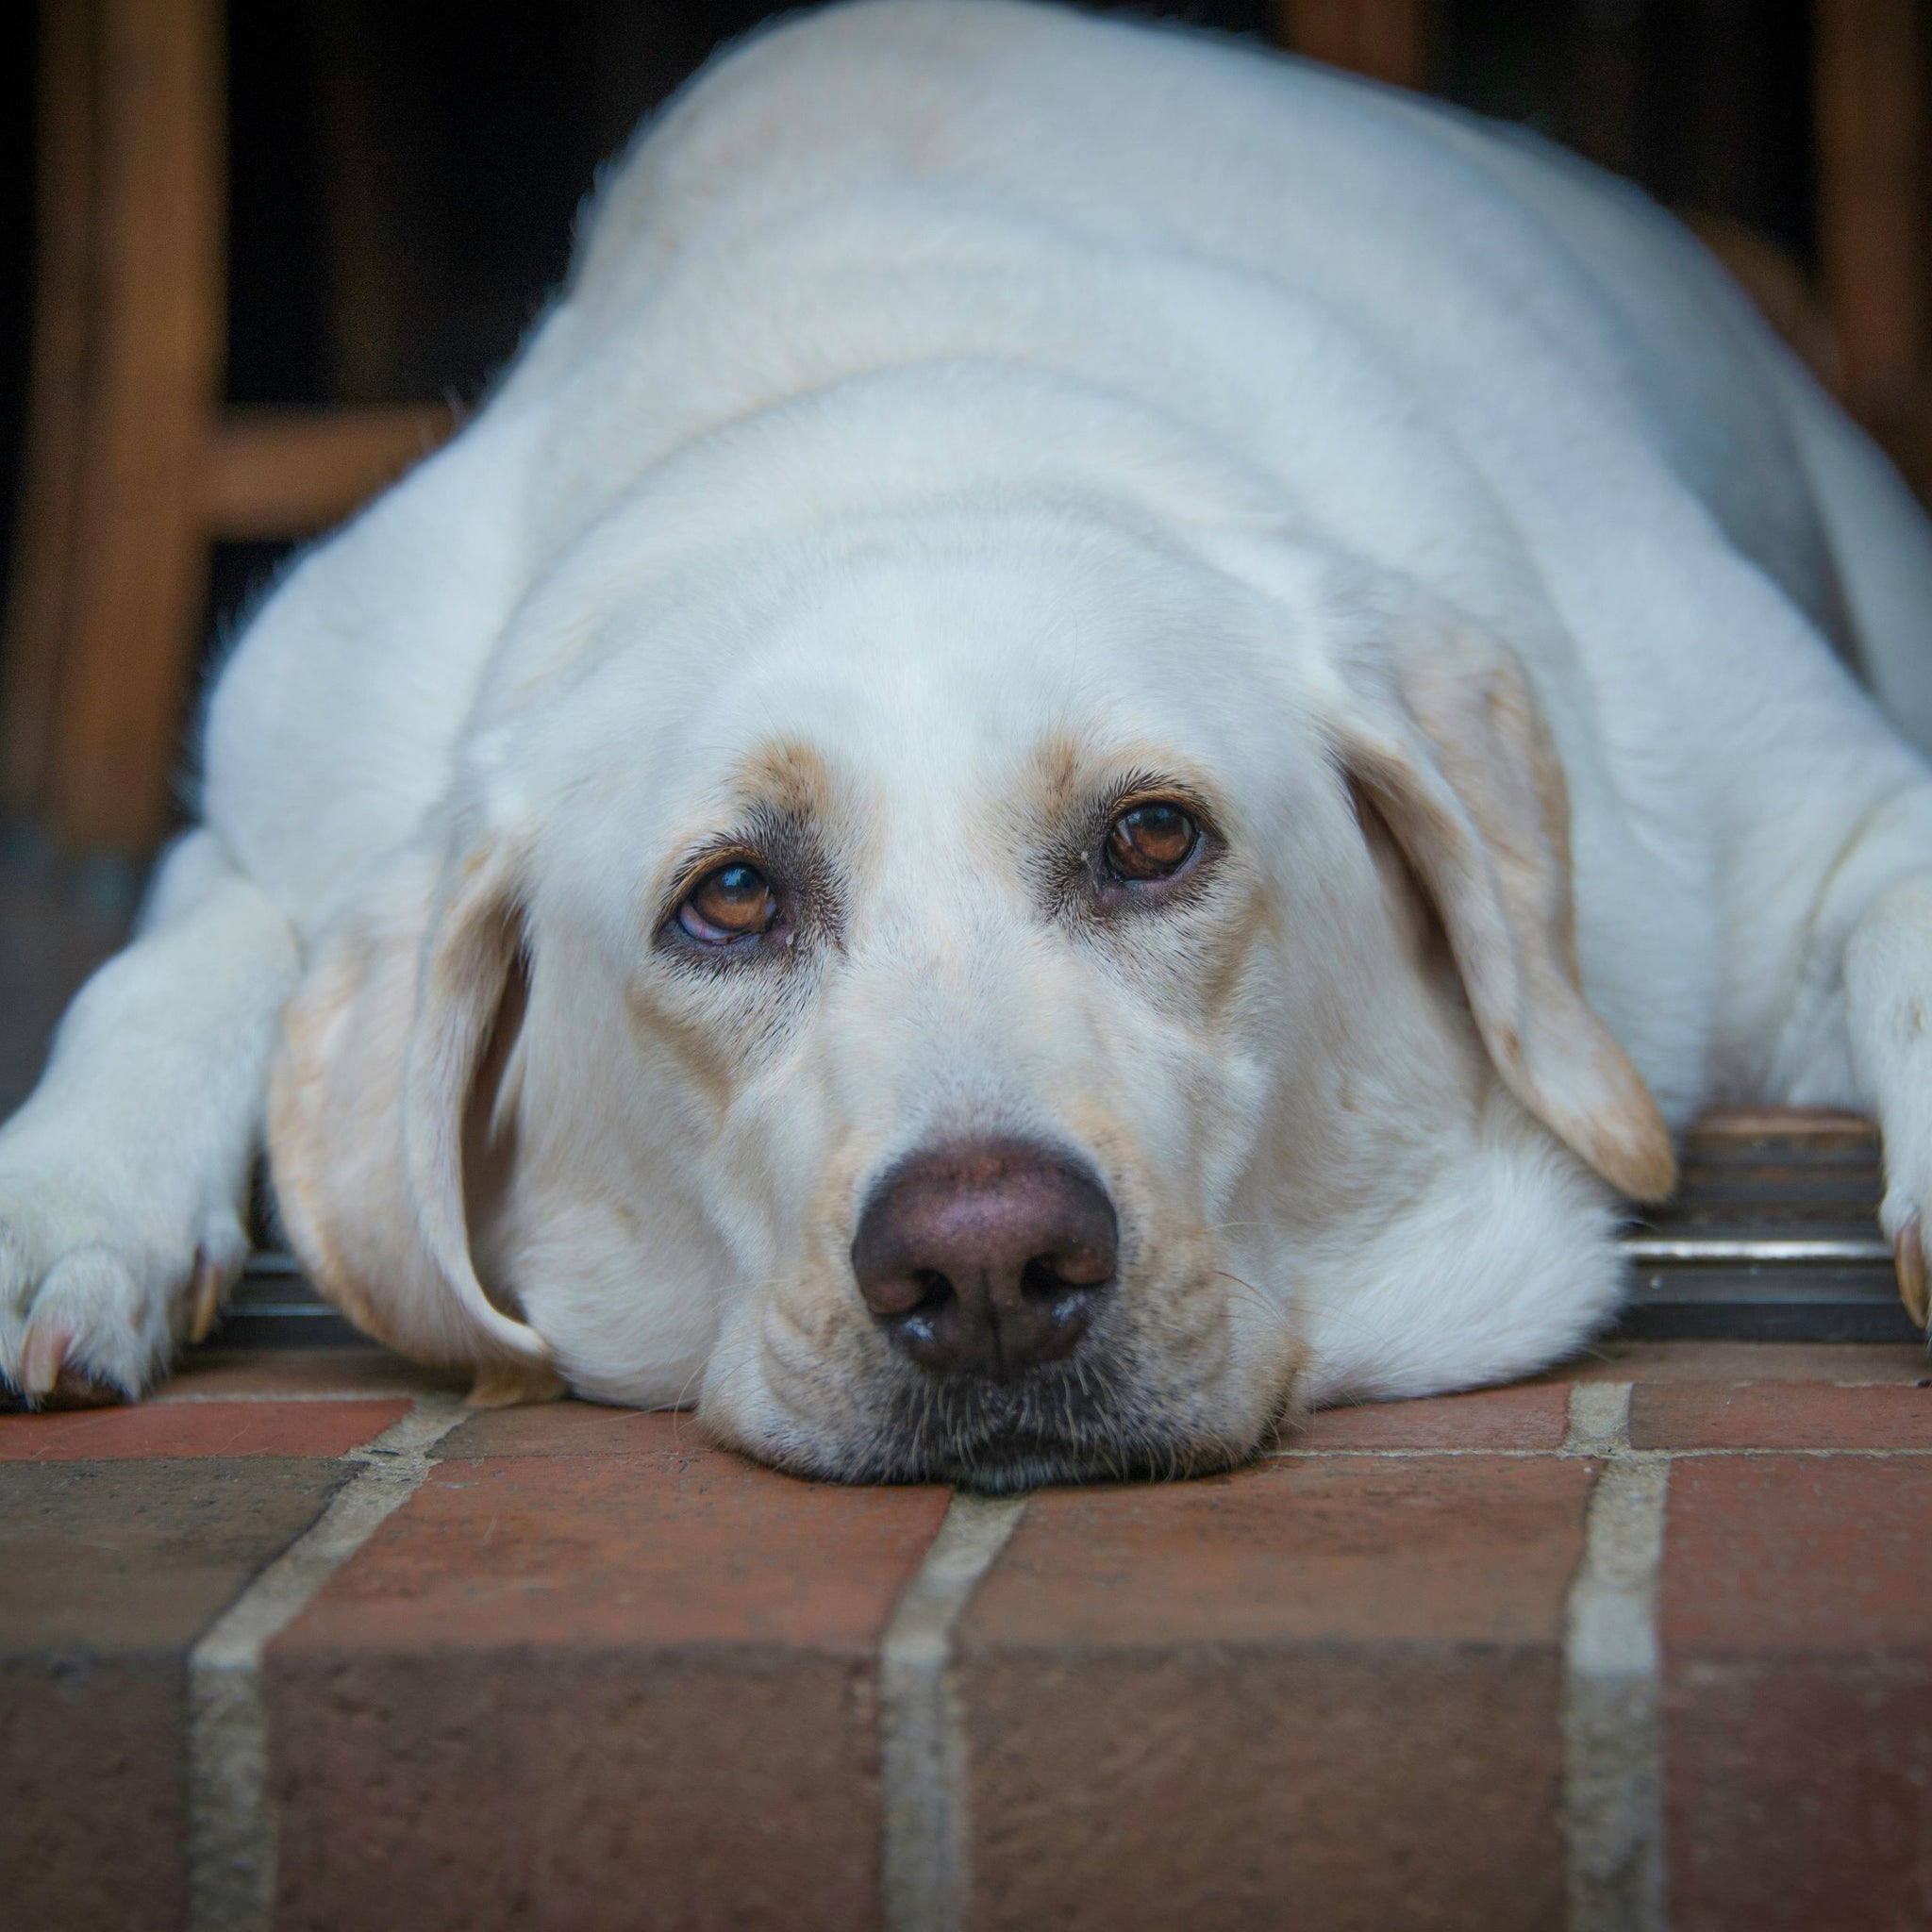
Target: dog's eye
x=734 y=902
x=1150 y=841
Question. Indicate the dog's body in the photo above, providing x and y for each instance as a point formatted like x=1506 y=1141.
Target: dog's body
x=969 y=428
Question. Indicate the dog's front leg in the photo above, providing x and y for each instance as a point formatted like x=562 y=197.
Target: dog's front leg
x=123 y=1178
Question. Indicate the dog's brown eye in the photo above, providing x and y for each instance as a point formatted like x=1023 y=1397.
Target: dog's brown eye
x=1152 y=841
x=732 y=903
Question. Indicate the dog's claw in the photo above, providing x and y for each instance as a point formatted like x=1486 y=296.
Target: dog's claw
x=1909 y=1251
x=43 y=1359
x=204 y=1296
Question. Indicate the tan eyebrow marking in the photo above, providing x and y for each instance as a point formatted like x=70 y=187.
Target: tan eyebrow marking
x=1058 y=760
x=789 y=775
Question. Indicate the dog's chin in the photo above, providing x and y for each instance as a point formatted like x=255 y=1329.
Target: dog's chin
x=1005 y=1468
x=1064 y=1424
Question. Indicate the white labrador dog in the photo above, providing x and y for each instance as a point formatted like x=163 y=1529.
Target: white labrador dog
x=1099 y=736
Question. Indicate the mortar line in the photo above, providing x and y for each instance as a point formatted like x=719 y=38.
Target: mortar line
x=923 y=1871
x=231 y=1826
x=1612 y=1729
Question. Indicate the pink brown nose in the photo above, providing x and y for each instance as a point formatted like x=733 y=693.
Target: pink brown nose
x=987 y=1259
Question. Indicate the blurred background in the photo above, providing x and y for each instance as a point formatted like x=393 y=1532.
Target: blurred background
x=254 y=257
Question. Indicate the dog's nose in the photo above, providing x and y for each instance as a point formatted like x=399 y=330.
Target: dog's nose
x=986 y=1259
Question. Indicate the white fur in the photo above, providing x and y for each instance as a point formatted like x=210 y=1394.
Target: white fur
x=948 y=395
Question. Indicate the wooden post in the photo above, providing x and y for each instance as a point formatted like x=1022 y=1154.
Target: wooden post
x=39 y=603
x=1387 y=39
x=1874 y=187
x=140 y=562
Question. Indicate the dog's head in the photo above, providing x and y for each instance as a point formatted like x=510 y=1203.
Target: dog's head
x=959 y=998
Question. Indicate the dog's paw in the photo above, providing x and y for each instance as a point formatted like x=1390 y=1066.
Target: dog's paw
x=99 y=1287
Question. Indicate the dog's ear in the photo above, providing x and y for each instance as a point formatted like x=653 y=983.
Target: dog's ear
x=470 y=1000
x=1439 y=727
x=390 y=1106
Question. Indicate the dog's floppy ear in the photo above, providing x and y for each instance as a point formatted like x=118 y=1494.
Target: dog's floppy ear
x=471 y=980
x=388 y=1105
x=1440 y=728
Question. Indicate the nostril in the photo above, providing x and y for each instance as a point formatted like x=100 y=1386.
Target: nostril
x=1041 y=1280
x=935 y=1292
x=1078 y=1266
x=894 y=1295
x=1051 y=1277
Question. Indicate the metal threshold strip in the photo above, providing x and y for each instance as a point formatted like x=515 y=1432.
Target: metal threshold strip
x=1651 y=1249
x=274 y=1307
x=1772 y=1236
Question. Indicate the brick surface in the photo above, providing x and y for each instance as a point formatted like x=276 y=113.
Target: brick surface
x=1534 y=1417
x=1322 y=1692
x=598 y=1673
x=298 y=1374
x=108 y=1572
x=1798 y=1692
x=574 y=1428
x=1757 y=1415
x=197 y=1428
x=636 y=1690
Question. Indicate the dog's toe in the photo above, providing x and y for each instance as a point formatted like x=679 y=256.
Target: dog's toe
x=94 y=1318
